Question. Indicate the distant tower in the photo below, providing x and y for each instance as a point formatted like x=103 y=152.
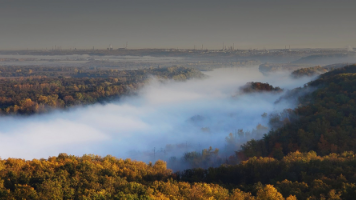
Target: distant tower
x=126 y=46
x=110 y=47
x=349 y=48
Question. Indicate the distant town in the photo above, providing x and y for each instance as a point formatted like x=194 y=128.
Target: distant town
x=227 y=51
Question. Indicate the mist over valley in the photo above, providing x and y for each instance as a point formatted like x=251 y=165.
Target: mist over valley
x=163 y=119
x=167 y=100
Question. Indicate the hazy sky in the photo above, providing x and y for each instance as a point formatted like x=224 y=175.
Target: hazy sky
x=183 y=24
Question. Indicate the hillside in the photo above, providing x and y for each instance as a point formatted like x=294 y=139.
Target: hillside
x=268 y=68
x=309 y=157
x=259 y=87
x=296 y=176
x=327 y=59
x=326 y=120
x=94 y=177
x=317 y=70
x=308 y=71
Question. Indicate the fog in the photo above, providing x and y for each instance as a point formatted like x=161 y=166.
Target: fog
x=164 y=119
x=76 y=60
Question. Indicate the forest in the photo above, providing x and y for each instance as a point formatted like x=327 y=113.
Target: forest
x=268 y=68
x=296 y=176
x=308 y=71
x=259 y=87
x=94 y=177
x=325 y=124
x=177 y=100
x=29 y=90
x=308 y=155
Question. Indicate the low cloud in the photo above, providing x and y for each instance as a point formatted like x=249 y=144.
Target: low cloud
x=164 y=119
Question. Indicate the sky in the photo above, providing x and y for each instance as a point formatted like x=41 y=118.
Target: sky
x=40 y=24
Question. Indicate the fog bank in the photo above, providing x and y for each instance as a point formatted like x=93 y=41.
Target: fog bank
x=164 y=119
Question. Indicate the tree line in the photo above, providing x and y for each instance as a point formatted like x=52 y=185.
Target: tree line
x=95 y=177
x=325 y=122
x=310 y=156
x=38 y=93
